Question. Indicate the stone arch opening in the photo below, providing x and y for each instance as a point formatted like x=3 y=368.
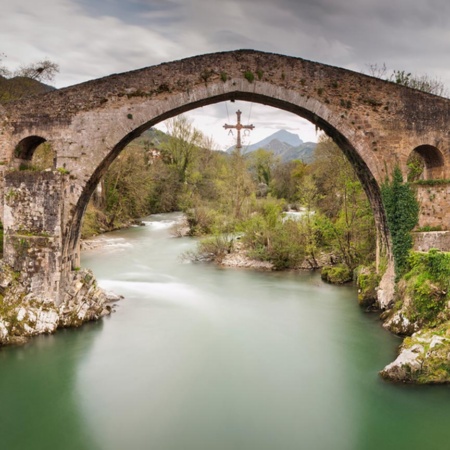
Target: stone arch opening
x=361 y=168
x=34 y=152
x=25 y=148
x=426 y=162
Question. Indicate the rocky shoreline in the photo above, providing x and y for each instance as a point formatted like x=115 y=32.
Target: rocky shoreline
x=23 y=315
x=422 y=359
x=423 y=352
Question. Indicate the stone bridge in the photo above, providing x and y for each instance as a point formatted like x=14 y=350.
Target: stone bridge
x=377 y=124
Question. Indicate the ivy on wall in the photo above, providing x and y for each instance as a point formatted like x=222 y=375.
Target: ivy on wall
x=402 y=211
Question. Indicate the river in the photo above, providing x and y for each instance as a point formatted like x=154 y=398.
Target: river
x=197 y=357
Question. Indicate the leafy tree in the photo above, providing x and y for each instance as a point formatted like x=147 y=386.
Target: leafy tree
x=261 y=164
x=347 y=227
x=286 y=178
x=181 y=149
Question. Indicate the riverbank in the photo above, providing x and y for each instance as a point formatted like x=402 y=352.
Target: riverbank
x=424 y=356
x=24 y=315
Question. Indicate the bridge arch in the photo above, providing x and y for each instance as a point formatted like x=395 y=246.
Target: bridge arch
x=315 y=111
x=428 y=162
x=376 y=123
x=26 y=147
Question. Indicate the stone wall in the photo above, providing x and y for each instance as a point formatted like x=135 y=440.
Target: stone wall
x=424 y=241
x=32 y=226
x=434 y=201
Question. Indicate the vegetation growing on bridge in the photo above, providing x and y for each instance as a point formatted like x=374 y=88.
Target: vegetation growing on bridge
x=402 y=211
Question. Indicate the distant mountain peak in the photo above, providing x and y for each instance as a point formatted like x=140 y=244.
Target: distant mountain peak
x=287 y=137
x=283 y=144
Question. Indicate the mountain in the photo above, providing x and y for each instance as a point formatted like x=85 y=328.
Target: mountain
x=288 y=146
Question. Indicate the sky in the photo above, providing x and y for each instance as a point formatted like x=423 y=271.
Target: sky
x=94 y=38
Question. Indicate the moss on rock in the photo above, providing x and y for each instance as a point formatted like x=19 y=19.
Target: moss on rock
x=339 y=274
x=367 y=280
x=424 y=358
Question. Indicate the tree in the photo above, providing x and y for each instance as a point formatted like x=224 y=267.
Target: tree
x=261 y=164
x=423 y=83
x=286 y=177
x=348 y=226
x=181 y=149
x=43 y=70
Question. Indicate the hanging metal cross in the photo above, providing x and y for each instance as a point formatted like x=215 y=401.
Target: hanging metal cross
x=239 y=127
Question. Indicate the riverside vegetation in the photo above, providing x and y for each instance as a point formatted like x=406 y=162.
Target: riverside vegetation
x=239 y=202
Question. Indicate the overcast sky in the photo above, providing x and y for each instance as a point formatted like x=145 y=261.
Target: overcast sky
x=94 y=38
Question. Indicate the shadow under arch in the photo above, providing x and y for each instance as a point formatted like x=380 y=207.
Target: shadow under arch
x=361 y=168
x=433 y=161
x=25 y=148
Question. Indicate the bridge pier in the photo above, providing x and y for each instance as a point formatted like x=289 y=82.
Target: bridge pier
x=33 y=217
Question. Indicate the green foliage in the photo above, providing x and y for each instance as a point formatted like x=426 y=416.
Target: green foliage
x=367 y=280
x=214 y=247
x=428 y=284
x=347 y=225
x=430 y=228
x=416 y=166
x=249 y=76
x=402 y=212
x=339 y=274
x=434 y=182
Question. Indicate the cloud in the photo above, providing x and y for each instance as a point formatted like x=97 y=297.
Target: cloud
x=94 y=38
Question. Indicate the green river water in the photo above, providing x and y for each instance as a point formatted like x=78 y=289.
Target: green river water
x=202 y=358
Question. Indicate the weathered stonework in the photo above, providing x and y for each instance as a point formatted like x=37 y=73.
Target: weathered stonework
x=377 y=124
x=24 y=314
x=32 y=220
x=424 y=241
x=434 y=201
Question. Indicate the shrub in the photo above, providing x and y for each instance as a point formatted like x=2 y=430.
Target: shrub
x=336 y=274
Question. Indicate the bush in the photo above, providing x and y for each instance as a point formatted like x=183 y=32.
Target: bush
x=367 y=280
x=427 y=285
x=269 y=238
x=212 y=248
x=336 y=274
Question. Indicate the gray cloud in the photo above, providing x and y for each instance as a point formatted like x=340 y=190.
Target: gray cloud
x=93 y=38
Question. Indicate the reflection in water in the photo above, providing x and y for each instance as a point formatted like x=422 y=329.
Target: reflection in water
x=198 y=357
x=39 y=405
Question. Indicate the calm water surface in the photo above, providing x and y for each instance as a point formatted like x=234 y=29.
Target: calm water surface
x=203 y=358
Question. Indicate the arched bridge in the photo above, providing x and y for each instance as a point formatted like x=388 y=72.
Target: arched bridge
x=377 y=124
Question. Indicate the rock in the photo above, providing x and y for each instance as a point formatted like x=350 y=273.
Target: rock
x=240 y=259
x=398 y=323
x=406 y=366
x=423 y=358
x=336 y=274
x=24 y=315
x=3 y=330
x=111 y=297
